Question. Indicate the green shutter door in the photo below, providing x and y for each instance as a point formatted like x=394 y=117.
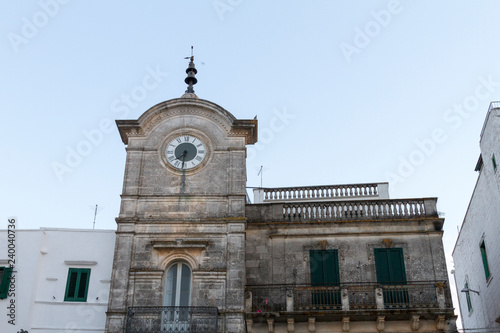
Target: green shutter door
x=325 y=278
x=382 y=266
x=316 y=264
x=324 y=267
x=389 y=264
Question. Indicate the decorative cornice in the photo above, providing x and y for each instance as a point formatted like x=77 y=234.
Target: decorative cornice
x=180 y=244
x=182 y=106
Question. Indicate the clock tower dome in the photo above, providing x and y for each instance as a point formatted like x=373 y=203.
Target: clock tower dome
x=180 y=240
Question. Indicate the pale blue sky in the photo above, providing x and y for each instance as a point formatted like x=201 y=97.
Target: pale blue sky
x=328 y=117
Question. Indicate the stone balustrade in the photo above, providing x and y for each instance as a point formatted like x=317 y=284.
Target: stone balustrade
x=322 y=193
x=343 y=210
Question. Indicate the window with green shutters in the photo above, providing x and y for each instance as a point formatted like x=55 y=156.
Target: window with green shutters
x=391 y=273
x=485 y=260
x=390 y=266
x=77 y=285
x=325 y=278
x=5 y=274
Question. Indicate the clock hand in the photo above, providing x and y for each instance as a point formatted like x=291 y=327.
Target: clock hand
x=183 y=155
x=183 y=158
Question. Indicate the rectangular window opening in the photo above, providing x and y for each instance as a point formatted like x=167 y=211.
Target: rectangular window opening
x=485 y=260
x=5 y=274
x=494 y=161
x=325 y=279
x=77 y=285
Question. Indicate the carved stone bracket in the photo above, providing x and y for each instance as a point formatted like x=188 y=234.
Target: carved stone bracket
x=249 y=325
x=441 y=323
x=345 y=324
x=290 y=328
x=414 y=323
x=270 y=325
x=380 y=323
x=311 y=325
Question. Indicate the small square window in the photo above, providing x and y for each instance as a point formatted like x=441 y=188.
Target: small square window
x=5 y=274
x=77 y=285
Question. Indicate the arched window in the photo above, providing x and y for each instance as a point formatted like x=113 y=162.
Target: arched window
x=177 y=285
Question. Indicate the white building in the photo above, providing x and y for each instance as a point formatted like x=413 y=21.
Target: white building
x=477 y=251
x=60 y=281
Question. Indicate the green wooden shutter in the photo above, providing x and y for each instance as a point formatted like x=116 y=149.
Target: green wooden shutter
x=82 y=284
x=396 y=262
x=485 y=260
x=325 y=273
x=5 y=281
x=324 y=267
x=382 y=265
x=316 y=265
x=389 y=264
x=77 y=285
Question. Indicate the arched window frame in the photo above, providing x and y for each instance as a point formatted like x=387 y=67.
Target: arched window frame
x=179 y=278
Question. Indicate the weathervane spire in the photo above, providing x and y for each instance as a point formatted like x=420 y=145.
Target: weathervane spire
x=191 y=72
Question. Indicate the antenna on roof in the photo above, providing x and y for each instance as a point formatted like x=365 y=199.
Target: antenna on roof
x=261 y=173
x=95 y=214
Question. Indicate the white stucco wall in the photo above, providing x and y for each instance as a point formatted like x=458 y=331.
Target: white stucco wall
x=482 y=222
x=44 y=257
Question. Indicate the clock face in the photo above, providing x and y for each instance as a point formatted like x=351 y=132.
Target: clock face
x=185 y=152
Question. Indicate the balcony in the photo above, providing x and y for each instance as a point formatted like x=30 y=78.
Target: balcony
x=167 y=319
x=347 y=299
x=322 y=193
x=362 y=210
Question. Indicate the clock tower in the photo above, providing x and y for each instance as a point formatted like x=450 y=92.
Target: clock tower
x=180 y=240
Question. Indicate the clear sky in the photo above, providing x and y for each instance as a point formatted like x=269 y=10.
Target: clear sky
x=345 y=92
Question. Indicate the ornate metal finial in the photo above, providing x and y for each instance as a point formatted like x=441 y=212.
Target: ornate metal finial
x=191 y=72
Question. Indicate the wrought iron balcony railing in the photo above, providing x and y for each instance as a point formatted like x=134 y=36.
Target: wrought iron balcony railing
x=169 y=319
x=347 y=297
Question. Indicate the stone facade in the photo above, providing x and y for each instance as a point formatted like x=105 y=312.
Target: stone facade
x=353 y=222
x=253 y=262
x=192 y=216
x=480 y=307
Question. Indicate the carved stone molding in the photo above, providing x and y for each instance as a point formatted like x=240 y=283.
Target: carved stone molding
x=388 y=243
